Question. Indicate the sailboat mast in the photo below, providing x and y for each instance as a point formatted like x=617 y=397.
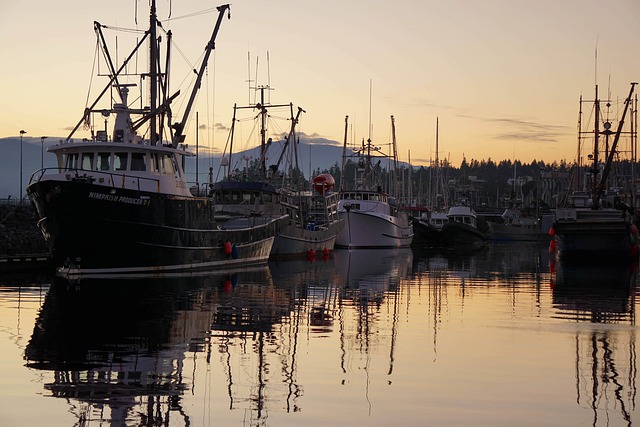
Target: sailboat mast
x=579 y=156
x=395 y=182
x=436 y=188
x=596 y=137
x=344 y=152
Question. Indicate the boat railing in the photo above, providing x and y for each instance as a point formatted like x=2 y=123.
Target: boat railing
x=103 y=177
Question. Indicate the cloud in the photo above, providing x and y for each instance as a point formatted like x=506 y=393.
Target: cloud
x=221 y=127
x=316 y=139
x=523 y=130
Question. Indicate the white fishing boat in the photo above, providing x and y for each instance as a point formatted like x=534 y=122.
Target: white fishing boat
x=373 y=218
x=597 y=221
x=118 y=201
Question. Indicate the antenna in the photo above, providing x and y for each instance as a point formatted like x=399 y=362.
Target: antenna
x=268 y=76
x=249 y=74
x=595 y=73
x=256 y=80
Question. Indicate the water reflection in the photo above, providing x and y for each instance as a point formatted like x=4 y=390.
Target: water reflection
x=606 y=359
x=595 y=293
x=117 y=347
x=370 y=333
x=127 y=350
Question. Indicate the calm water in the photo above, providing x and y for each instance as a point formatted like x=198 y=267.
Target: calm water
x=377 y=338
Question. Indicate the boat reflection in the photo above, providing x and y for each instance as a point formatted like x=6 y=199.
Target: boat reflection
x=369 y=273
x=595 y=293
x=118 y=347
x=606 y=359
x=126 y=350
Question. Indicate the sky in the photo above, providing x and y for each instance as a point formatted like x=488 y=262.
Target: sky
x=502 y=77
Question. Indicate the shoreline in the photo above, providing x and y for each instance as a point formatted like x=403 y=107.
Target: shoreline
x=22 y=246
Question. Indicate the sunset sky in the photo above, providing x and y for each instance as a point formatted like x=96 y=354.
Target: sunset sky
x=504 y=77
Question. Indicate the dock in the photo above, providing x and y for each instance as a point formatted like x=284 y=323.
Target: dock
x=23 y=262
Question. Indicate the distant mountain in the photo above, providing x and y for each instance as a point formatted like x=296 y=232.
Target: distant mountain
x=31 y=161
x=313 y=154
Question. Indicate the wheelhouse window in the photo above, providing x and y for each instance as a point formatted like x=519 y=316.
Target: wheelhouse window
x=87 y=161
x=103 y=162
x=155 y=164
x=137 y=162
x=120 y=161
x=167 y=165
x=72 y=161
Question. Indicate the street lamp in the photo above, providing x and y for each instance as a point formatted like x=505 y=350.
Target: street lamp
x=22 y=132
x=42 y=138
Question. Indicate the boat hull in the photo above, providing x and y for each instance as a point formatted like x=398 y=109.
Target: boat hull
x=520 y=233
x=425 y=234
x=522 y=230
x=294 y=240
x=586 y=234
x=364 y=229
x=95 y=229
x=459 y=236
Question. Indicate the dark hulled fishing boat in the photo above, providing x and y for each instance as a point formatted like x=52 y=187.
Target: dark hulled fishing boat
x=597 y=222
x=119 y=203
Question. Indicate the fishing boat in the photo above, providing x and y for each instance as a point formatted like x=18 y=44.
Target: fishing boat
x=373 y=218
x=310 y=221
x=119 y=202
x=427 y=228
x=522 y=225
x=523 y=218
x=461 y=230
x=597 y=221
x=313 y=224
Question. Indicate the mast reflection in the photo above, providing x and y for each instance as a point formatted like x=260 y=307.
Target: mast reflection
x=606 y=359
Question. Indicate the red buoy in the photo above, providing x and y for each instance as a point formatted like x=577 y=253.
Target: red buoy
x=227 y=248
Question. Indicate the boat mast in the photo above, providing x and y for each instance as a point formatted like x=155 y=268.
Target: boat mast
x=594 y=166
x=290 y=143
x=612 y=152
x=263 y=134
x=395 y=183
x=578 y=185
x=233 y=130
x=153 y=72
x=344 y=152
